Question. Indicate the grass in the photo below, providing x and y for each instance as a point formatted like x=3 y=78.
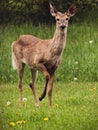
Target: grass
x=75 y=107
x=80 y=57
x=75 y=95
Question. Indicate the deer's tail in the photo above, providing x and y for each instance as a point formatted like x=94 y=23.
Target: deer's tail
x=14 y=61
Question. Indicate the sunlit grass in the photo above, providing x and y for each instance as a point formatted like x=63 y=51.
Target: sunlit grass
x=75 y=106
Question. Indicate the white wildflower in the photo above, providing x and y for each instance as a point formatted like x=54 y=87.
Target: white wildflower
x=8 y=103
x=76 y=62
x=24 y=99
x=75 y=79
x=91 y=41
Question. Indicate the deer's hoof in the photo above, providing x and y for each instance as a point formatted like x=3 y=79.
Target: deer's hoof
x=40 y=98
x=36 y=105
x=30 y=84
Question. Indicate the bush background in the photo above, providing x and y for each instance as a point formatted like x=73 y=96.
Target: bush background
x=36 y=11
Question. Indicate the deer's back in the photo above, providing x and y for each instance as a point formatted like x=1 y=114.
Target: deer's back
x=29 y=49
x=26 y=40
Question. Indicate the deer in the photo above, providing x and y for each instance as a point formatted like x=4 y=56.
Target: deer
x=41 y=54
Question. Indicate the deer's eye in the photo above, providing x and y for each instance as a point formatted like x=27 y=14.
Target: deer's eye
x=67 y=19
x=57 y=19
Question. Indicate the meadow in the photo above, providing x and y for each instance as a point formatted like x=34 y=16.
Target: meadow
x=80 y=57
x=75 y=107
x=75 y=95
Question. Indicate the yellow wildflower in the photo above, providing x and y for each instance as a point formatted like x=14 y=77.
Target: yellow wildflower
x=20 y=122
x=17 y=113
x=12 y=124
x=46 y=119
x=56 y=105
x=92 y=89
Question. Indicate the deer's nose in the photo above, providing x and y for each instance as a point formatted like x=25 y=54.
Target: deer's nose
x=63 y=27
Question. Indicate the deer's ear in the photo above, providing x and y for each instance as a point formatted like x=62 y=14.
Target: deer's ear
x=71 y=11
x=53 y=10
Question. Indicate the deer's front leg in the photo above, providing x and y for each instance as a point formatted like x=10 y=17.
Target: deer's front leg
x=50 y=88
x=43 y=69
x=50 y=83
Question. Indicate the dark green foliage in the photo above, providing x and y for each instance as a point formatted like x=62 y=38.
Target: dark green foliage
x=20 y=11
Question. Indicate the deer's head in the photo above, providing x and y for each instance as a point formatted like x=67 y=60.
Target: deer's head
x=62 y=18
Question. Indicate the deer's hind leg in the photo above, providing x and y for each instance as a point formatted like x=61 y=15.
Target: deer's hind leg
x=32 y=85
x=20 y=74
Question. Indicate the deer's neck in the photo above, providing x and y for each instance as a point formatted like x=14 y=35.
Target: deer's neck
x=58 y=42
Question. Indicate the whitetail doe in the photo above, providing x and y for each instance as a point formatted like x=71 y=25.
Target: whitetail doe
x=42 y=55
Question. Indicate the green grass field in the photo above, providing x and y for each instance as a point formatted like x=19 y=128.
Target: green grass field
x=75 y=107
x=80 y=57
x=75 y=95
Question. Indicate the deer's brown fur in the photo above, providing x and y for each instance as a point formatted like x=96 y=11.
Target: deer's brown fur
x=43 y=55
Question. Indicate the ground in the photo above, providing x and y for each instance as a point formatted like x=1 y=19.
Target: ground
x=75 y=107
